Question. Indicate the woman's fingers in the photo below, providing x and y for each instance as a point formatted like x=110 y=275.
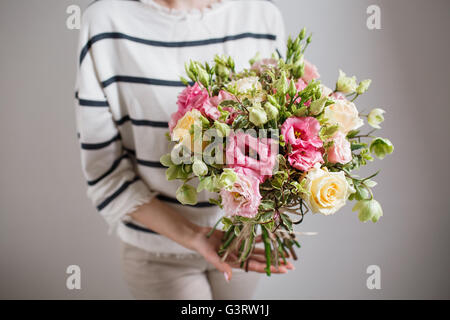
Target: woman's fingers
x=220 y=265
x=258 y=266
x=262 y=251
x=262 y=258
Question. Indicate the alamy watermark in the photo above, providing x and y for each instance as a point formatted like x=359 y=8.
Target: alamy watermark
x=374 y=280
x=73 y=281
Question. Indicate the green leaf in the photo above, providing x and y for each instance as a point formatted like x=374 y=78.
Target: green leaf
x=166 y=160
x=267 y=249
x=186 y=194
x=357 y=145
x=286 y=221
x=172 y=172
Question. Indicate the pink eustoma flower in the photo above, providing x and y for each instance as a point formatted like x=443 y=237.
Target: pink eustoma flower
x=243 y=199
x=250 y=155
x=302 y=134
x=311 y=72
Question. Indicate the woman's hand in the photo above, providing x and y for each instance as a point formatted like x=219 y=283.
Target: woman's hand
x=164 y=220
x=208 y=248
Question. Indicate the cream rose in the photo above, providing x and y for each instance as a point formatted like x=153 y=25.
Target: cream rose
x=344 y=114
x=181 y=132
x=328 y=191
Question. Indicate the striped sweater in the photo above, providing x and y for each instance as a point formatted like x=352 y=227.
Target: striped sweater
x=131 y=55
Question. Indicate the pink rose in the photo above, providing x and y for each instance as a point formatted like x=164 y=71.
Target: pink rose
x=311 y=72
x=303 y=136
x=243 y=198
x=193 y=97
x=340 y=151
x=250 y=155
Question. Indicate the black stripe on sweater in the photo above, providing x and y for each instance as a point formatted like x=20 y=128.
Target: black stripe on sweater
x=91 y=103
x=109 y=171
x=116 y=193
x=171 y=44
x=152 y=164
x=138 y=228
x=100 y=145
x=141 y=80
x=148 y=123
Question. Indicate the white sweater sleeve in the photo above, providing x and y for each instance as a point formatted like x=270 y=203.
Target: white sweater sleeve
x=113 y=184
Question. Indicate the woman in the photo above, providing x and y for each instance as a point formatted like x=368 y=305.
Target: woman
x=131 y=55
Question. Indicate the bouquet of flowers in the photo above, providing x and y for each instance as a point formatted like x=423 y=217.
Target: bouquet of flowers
x=274 y=144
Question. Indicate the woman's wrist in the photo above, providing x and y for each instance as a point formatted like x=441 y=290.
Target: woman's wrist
x=163 y=219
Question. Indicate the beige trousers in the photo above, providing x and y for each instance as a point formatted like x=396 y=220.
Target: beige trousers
x=153 y=276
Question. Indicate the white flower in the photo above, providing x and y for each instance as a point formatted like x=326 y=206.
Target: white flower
x=327 y=191
x=246 y=84
x=376 y=117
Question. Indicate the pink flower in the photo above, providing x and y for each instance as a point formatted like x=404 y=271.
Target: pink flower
x=250 y=155
x=340 y=151
x=193 y=97
x=305 y=158
x=311 y=72
x=300 y=84
x=222 y=96
x=338 y=96
x=262 y=64
x=243 y=198
x=303 y=136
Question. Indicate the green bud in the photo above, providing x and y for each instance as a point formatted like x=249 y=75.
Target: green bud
x=375 y=117
x=231 y=63
x=381 y=147
x=227 y=178
x=257 y=115
x=222 y=71
x=199 y=168
x=363 y=86
x=203 y=76
x=346 y=84
x=272 y=100
x=317 y=106
x=302 y=34
x=271 y=110
x=300 y=112
x=186 y=194
x=223 y=128
x=282 y=84
x=184 y=81
x=292 y=90
x=368 y=210
x=189 y=73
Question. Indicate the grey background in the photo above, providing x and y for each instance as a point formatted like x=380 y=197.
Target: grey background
x=47 y=222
